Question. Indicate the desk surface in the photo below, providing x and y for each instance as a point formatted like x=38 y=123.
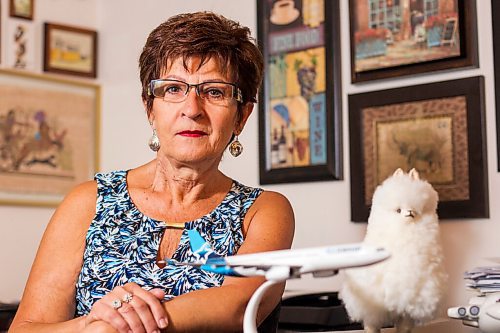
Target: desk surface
x=441 y=325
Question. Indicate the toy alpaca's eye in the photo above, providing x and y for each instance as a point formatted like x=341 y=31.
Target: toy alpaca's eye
x=398 y=210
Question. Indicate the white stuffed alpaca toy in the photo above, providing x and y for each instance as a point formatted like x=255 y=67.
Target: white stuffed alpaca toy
x=404 y=290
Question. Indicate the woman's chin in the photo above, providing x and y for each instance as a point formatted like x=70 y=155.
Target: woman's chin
x=193 y=157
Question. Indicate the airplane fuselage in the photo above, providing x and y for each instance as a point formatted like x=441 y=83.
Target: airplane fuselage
x=294 y=263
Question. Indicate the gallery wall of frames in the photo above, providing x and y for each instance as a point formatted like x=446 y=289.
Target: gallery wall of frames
x=49 y=106
x=300 y=104
x=437 y=128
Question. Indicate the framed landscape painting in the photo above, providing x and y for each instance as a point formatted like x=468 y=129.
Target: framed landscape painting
x=70 y=50
x=392 y=38
x=436 y=128
x=49 y=137
x=300 y=102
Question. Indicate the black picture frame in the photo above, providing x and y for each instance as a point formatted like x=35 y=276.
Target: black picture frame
x=381 y=40
x=292 y=37
x=445 y=118
x=495 y=17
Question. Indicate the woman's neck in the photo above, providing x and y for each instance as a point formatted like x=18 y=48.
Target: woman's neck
x=187 y=184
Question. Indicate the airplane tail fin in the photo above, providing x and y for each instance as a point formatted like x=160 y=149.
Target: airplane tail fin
x=207 y=258
x=199 y=246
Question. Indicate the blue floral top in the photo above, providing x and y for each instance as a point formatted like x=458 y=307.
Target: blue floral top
x=122 y=243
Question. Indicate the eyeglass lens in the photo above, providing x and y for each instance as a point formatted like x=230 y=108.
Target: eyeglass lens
x=176 y=91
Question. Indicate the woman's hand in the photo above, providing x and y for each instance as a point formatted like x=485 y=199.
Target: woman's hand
x=130 y=308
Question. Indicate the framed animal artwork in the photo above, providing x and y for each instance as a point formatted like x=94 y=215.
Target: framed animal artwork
x=49 y=137
x=70 y=50
x=436 y=128
x=391 y=38
x=300 y=127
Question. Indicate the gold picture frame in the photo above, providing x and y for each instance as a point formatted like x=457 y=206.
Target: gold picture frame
x=49 y=137
x=22 y=9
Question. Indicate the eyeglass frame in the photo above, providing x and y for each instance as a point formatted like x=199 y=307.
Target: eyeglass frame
x=237 y=96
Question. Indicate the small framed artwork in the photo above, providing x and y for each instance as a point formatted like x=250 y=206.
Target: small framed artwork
x=300 y=102
x=436 y=128
x=495 y=14
x=70 y=50
x=20 y=45
x=392 y=38
x=49 y=139
x=22 y=9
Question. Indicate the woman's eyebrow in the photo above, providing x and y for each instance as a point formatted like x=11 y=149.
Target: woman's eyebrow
x=176 y=77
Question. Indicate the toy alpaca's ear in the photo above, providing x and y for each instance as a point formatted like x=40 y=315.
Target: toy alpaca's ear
x=398 y=172
x=414 y=174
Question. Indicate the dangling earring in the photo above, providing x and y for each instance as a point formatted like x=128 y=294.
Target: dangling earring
x=236 y=148
x=154 y=142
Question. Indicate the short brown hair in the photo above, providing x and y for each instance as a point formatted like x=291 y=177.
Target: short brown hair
x=206 y=35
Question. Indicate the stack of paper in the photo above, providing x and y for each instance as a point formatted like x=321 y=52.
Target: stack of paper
x=485 y=279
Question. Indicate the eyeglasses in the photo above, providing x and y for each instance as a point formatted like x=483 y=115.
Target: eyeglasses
x=214 y=92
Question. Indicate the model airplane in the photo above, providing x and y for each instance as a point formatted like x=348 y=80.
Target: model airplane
x=482 y=312
x=283 y=264
x=278 y=266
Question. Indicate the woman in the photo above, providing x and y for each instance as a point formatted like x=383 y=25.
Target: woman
x=98 y=268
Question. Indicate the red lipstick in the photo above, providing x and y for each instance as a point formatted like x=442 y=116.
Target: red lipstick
x=192 y=134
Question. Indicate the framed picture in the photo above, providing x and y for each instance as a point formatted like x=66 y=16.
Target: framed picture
x=300 y=103
x=392 y=38
x=495 y=13
x=20 y=45
x=70 y=50
x=22 y=9
x=49 y=137
x=436 y=128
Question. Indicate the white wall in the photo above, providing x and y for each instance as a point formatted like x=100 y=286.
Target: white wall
x=21 y=227
x=322 y=208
